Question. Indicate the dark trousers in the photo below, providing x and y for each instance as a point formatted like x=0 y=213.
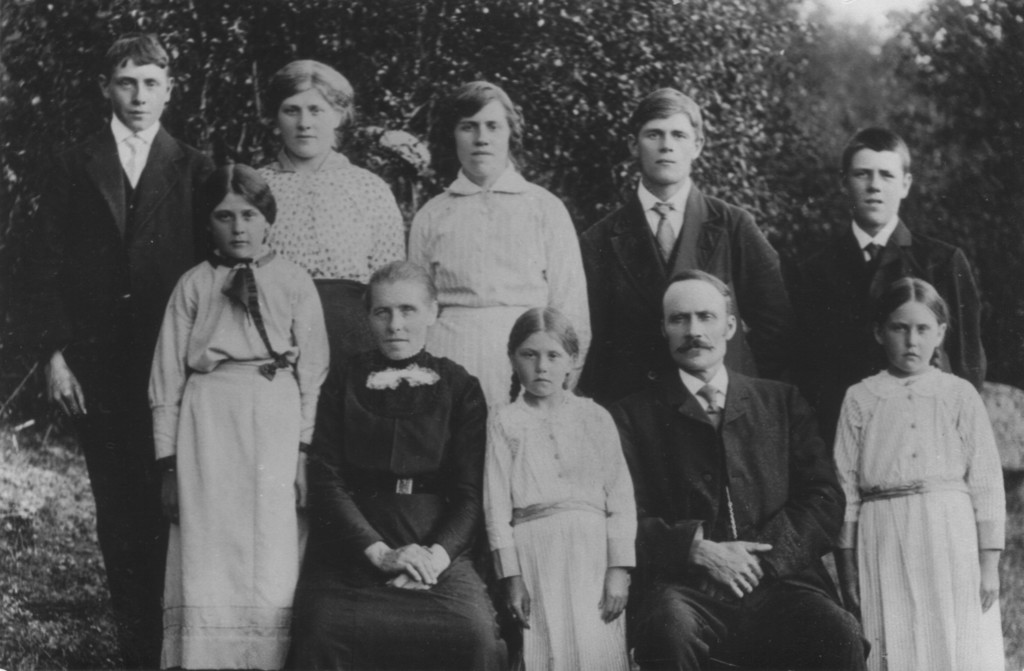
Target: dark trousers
x=132 y=534
x=779 y=626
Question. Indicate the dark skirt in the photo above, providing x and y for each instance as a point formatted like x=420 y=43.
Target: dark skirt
x=341 y=623
x=348 y=329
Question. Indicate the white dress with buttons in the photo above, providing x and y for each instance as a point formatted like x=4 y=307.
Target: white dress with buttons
x=918 y=553
x=565 y=465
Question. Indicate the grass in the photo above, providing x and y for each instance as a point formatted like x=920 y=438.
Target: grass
x=54 y=610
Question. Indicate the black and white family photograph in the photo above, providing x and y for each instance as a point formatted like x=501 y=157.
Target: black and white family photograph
x=512 y=335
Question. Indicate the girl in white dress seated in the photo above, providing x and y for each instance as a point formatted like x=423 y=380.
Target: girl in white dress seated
x=237 y=371
x=558 y=499
x=925 y=513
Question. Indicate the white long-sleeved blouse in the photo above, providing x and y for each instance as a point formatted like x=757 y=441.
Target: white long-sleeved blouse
x=512 y=244
x=203 y=328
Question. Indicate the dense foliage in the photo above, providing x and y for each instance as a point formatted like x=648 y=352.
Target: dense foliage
x=576 y=67
x=780 y=96
x=963 y=60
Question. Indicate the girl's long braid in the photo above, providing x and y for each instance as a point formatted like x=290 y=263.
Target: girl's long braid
x=515 y=388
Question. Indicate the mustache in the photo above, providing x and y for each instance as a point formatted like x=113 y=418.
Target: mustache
x=694 y=343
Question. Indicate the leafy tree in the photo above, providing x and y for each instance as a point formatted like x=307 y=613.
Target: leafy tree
x=963 y=60
x=576 y=67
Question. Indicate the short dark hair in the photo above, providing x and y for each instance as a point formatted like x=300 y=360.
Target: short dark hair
x=238 y=179
x=910 y=290
x=702 y=276
x=139 y=48
x=299 y=76
x=464 y=102
x=401 y=271
x=875 y=139
x=662 y=104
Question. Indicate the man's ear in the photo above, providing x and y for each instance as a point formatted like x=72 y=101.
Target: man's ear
x=433 y=310
x=104 y=80
x=908 y=179
x=730 y=320
x=631 y=142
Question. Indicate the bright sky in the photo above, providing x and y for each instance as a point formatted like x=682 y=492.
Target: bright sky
x=871 y=11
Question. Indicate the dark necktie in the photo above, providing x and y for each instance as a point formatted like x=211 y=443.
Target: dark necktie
x=710 y=394
x=714 y=411
x=873 y=250
x=666 y=238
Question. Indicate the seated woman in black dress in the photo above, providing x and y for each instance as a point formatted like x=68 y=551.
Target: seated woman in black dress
x=395 y=477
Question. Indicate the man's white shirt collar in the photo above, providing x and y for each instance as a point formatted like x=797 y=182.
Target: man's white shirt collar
x=720 y=381
x=678 y=201
x=880 y=239
x=122 y=132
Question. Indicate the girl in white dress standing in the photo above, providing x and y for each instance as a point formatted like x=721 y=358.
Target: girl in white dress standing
x=234 y=385
x=561 y=519
x=925 y=515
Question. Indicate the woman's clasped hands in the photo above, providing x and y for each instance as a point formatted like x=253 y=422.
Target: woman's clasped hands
x=412 y=566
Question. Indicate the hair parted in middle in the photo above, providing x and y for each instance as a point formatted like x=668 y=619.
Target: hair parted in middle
x=464 y=102
x=910 y=290
x=401 y=271
x=541 y=320
x=240 y=180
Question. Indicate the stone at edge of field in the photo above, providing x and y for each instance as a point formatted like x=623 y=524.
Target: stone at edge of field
x=1005 y=405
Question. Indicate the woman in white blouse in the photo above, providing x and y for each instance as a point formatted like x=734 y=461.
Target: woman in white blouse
x=494 y=243
x=338 y=221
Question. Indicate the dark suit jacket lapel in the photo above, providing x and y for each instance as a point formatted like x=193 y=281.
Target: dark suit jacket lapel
x=636 y=254
x=681 y=400
x=896 y=259
x=162 y=172
x=736 y=400
x=103 y=165
x=701 y=234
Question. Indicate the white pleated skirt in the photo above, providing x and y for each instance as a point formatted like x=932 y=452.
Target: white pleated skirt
x=233 y=560
x=920 y=586
x=477 y=339
x=563 y=558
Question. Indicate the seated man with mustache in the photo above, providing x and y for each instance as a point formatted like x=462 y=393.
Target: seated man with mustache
x=737 y=501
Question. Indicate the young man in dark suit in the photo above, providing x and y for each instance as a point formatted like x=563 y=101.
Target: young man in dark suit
x=834 y=289
x=115 y=231
x=737 y=501
x=667 y=226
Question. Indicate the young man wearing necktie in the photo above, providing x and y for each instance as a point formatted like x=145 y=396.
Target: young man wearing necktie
x=834 y=289
x=667 y=226
x=114 y=232
x=737 y=501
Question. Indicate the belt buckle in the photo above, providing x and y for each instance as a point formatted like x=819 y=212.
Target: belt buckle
x=403 y=486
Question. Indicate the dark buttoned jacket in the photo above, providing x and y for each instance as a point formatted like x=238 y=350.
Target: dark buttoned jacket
x=626 y=279
x=781 y=481
x=834 y=291
x=96 y=275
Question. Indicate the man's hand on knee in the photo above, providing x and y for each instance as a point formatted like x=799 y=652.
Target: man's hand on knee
x=733 y=564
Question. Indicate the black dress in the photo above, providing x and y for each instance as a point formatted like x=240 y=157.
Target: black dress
x=370 y=445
